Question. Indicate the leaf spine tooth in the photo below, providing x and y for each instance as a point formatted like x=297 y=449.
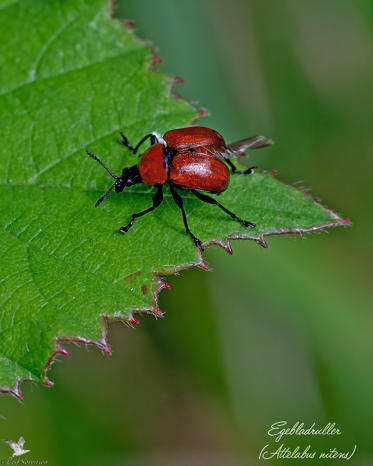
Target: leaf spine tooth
x=64 y=352
x=165 y=285
x=262 y=242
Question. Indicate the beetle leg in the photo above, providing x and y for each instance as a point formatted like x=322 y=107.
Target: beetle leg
x=211 y=200
x=157 y=199
x=124 y=140
x=179 y=202
x=240 y=172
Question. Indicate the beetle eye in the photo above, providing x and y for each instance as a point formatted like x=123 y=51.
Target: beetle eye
x=119 y=186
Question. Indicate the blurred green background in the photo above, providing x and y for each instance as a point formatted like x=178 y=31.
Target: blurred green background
x=266 y=335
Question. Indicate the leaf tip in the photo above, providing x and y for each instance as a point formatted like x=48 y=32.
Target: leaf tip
x=202 y=112
x=130 y=23
x=156 y=59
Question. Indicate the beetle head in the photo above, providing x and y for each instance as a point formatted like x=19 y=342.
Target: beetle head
x=129 y=176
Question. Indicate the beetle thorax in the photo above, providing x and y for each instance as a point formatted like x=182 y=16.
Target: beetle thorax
x=152 y=167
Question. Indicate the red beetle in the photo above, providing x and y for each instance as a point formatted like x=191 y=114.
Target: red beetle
x=187 y=158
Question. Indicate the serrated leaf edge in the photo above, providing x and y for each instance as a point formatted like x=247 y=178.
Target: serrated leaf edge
x=226 y=245
x=103 y=343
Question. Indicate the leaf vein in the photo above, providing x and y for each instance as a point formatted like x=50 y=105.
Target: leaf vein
x=43 y=50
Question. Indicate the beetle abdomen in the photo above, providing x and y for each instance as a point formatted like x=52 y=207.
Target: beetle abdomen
x=199 y=170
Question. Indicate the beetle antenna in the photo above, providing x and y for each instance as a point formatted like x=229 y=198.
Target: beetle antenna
x=106 y=168
x=104 y=195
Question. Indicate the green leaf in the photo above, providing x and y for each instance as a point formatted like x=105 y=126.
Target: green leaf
x=72 y=78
